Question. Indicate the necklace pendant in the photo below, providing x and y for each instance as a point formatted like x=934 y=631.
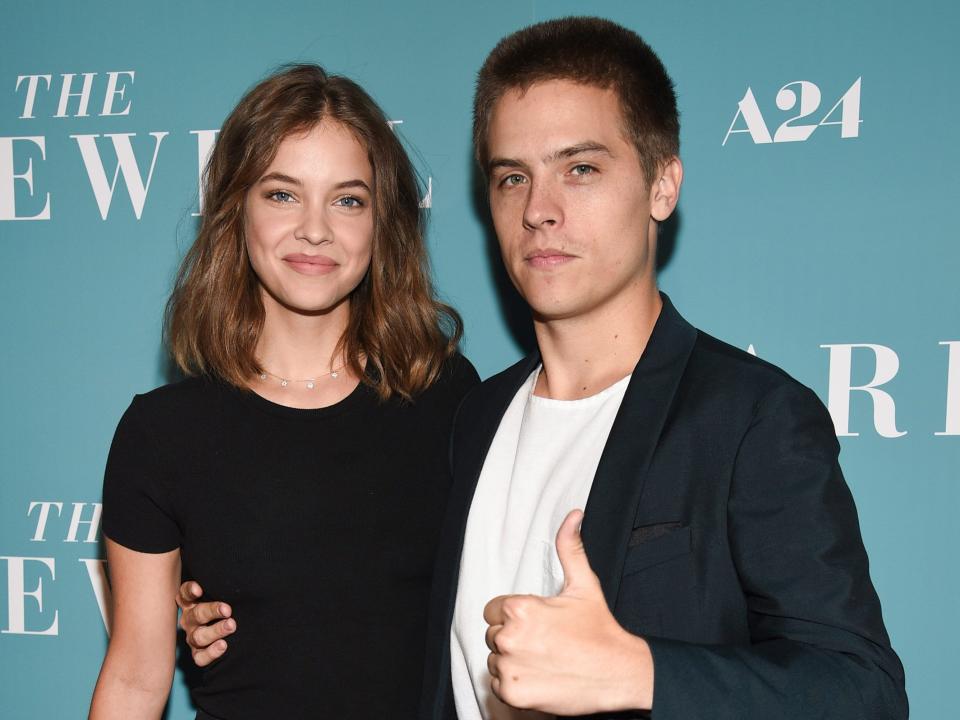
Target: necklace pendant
x=309 y=384
x=283 y=383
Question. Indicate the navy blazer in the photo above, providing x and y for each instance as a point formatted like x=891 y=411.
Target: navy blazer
x=722 y=531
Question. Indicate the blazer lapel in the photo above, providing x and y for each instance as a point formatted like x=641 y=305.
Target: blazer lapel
x=474 y=429
x=621 y=473
x=477 y=424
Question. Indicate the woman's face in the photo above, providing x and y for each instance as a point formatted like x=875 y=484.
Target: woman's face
x=309 y=221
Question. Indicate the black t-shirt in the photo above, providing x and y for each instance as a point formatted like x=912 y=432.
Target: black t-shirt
x=319 y=527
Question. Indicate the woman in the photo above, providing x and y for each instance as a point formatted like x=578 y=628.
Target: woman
x=307 y=451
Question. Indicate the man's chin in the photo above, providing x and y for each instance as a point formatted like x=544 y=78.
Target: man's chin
x=556 y=312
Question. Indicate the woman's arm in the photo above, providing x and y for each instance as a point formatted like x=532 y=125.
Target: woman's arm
x=136 y=674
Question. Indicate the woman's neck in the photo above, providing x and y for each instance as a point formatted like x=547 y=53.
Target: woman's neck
x=298 y=353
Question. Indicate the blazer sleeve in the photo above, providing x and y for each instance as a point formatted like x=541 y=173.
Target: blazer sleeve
x=818 y=647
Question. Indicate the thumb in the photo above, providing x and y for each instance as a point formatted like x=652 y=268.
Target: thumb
x=577 y=574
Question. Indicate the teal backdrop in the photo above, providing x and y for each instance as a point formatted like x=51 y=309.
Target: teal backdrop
x=817 y=225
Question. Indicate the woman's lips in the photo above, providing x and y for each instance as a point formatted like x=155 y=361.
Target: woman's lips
x=310 y=264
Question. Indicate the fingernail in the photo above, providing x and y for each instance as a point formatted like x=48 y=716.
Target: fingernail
x=230 y=625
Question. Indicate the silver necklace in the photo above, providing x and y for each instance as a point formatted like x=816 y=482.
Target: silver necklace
x=310 y=383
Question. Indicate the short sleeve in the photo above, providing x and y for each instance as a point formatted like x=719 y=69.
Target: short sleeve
x=136 y=507
x=463 y=376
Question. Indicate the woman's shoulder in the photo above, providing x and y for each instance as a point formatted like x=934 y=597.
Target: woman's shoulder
x=178 y=401
x=455 y=379
x=458 y=375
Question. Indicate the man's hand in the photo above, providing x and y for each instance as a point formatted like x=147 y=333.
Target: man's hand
x=566 y=655
x=205 y=623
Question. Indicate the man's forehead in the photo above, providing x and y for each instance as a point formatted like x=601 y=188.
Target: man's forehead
x=556 y=86
x=548 y=119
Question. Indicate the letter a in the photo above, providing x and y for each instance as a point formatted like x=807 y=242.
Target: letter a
x=750 y=111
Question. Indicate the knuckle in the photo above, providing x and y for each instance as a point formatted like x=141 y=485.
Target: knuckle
x=517 y=606
x=512 y=605
x=200 y=614
x=218 y=631
x=508 y=690
x=211 y=612
x=505 y=642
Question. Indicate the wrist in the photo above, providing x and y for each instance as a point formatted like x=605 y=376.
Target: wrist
x=635 y=686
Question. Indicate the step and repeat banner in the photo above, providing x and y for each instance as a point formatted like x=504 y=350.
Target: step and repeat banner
x=817 y=227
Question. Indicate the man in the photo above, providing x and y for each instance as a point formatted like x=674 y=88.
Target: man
x=719 y=570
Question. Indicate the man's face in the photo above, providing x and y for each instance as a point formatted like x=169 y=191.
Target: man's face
x=570 y=204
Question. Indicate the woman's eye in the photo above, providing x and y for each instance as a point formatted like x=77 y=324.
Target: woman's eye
x=350 y=202
x=280 y=196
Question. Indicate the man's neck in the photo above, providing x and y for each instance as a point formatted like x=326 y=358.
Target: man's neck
x=586 y=354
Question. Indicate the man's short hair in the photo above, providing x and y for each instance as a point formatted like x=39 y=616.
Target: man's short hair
x=590 y=51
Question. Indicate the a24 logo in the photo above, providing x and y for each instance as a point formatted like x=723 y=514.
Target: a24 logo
x=804 y=96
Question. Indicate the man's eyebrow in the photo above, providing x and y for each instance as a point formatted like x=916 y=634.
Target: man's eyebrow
x=561 y=154
x=574 y=150
x=509 y=163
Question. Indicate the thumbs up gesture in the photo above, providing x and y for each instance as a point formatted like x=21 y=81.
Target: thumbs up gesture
x=566 y=655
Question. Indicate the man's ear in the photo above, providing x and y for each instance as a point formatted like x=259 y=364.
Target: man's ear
x=665 y=192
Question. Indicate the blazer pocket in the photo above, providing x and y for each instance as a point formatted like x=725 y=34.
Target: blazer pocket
x=660 y=547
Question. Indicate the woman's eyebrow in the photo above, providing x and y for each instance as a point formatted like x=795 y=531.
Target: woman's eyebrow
x=279 y=177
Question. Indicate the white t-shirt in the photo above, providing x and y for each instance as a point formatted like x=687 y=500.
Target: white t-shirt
x=540 y=467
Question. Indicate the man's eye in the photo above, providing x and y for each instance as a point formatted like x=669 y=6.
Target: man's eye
x=513 y=180
x=582 y=170
x=280 y=196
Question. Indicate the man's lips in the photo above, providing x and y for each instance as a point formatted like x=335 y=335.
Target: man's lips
x=548 y=257
x=310 y=264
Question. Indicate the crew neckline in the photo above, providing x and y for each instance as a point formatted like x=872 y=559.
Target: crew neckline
x=348 y=403
x=598 y=397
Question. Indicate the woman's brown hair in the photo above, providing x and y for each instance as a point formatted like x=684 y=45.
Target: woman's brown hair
x=215 y=314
